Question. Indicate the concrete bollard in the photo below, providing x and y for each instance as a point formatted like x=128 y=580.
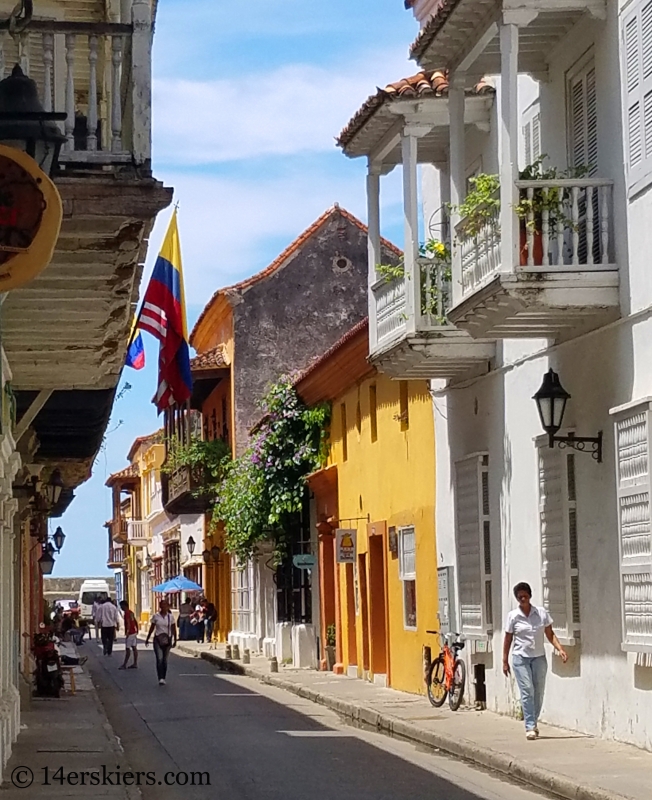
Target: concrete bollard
x=236 y=652
x=246 y=657
x=273 y=664
x=228 y=653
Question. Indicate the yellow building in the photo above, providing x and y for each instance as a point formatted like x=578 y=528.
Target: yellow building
x=137 y=505
x=380 y=485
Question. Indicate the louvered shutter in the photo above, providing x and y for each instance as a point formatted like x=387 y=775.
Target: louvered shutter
x=473 y=542
x=553 y=540
x=558 y=530
x=536 y=137
x=527 y=137
x=532 y=138
x=632 y=433
x=637 y=69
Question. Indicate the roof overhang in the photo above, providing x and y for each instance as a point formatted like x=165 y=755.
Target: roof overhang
x=463 y=35
x=379 y=138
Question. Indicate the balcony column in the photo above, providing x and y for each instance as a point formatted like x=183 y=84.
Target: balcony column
x=409 y=146
x=457 y=169
x=508 y=136
x=141 y=71
x=374 y=247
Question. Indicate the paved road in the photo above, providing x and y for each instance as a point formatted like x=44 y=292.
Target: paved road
x=260 y=742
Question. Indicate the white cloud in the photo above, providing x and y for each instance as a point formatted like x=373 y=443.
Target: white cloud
x=296 y=108
x=232 y=228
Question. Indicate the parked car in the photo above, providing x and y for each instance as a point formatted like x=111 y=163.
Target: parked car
x=69 y=608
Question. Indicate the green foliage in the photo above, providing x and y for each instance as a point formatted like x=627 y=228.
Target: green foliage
x=208 y=456
x=481 y=205
x=439 y=259
x=265 y=486
x=551 y=199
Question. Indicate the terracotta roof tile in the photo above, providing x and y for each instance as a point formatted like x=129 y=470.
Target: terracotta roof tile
x=150 y=438
x=211 y=359
x=289 y=251
x=431 y=83
x=432 y=28
x=128 y=472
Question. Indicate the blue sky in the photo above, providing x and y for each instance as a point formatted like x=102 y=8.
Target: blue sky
x=248 y=99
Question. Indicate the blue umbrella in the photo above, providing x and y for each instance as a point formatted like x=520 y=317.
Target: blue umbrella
x=176 y=585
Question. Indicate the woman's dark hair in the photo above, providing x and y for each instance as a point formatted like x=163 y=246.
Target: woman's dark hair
x=522 y=587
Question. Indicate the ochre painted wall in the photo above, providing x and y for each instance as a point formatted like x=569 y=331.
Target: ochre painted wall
x=390 y=480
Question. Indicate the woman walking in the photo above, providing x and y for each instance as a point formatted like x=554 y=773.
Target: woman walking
x=525 y=629
x=165 y=637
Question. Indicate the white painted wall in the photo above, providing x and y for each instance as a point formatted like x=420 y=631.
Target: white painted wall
x=601 y=690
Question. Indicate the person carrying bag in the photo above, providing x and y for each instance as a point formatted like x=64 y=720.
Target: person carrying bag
x=164 y=629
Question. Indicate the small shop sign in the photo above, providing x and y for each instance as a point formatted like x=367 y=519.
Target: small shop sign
x=346 y=545
x=304 y=561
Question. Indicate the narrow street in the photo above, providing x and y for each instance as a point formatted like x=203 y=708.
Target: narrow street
x=259 y=741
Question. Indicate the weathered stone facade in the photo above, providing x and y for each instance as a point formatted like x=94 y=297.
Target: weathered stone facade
x=285 y=320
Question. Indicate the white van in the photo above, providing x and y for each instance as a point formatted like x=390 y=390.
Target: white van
x=90 y=592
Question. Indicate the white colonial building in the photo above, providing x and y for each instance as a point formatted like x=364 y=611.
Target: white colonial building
x=568 y=287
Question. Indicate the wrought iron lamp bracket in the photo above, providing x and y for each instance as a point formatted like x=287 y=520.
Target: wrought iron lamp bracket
x=583 y=444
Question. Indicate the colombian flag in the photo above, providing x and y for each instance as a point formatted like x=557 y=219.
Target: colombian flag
x=163 y=314
x=135 y=349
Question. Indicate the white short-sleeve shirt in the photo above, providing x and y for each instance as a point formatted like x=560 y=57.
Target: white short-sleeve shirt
x=528 y=631
x=162 y=624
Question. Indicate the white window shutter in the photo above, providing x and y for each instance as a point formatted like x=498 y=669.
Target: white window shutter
x=554 y=559
x=584 y=120
x=637 y=90
x=473 y=544
x=536 y=137
x=527 y=138
x=632 y=433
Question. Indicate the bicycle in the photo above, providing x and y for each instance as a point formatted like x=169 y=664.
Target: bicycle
x=447 y=675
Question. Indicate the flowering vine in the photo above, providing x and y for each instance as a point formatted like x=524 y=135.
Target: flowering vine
x=264 y=487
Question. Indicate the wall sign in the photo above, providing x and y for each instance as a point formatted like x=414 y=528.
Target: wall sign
x=304 y=561
x=30 y=218
x=346 y=545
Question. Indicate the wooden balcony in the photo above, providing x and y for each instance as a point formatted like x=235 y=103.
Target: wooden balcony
x=119 y=530
x=559 y=280
x=182 y=492
x=138 y=533
x=116 y=557
x=425 y=345
x=92 y=61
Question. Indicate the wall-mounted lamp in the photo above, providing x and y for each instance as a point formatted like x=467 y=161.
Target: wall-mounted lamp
x=191 y=544
x=551 y=402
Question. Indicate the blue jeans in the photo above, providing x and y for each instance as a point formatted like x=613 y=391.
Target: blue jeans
x=161 y=654
x=530 y=674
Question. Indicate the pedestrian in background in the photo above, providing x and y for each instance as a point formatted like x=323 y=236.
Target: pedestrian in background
x=165 y=637
x=96 y=625
x=525 y=630
x=197 y=620
x=185 y=612
x=210 y=618
x=109 y=621
x=131 y=635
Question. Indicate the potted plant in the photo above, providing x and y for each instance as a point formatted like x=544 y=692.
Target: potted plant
x=329 y=649
x=530 y=210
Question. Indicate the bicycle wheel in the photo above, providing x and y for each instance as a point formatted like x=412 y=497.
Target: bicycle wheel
x=459 y=680
x=437 y=683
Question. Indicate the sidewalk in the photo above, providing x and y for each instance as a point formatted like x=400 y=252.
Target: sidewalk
x=562 y=762
x=71 y=732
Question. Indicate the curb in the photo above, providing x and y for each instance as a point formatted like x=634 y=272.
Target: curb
x=528 y=774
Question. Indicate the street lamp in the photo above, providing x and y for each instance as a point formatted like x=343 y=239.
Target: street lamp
x=190 y=544
x=59 y=538
x=215 y=552
x=46 y=562
x=551 y=400
x=206 y=556
x=148 y=561
x=25 y=125
x=54 y=486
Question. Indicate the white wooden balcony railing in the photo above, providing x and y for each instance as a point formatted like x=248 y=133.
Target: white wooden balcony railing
x=99 y=74
x=571 y=233
x=137 y=532
x=434 y=301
